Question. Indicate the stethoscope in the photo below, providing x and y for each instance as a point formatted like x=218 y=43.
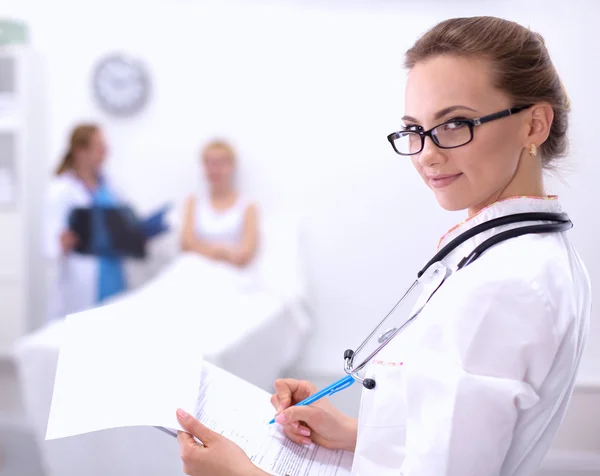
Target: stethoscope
x=558 y=222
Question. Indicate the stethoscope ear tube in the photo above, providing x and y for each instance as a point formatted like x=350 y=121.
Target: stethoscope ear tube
x=515 y=232
x=561 y=219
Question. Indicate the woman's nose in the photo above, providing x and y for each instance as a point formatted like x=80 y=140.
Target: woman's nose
x=431 y=155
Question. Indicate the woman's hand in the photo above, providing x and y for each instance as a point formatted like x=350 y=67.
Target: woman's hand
x=232 y=254
x=68 y=241
x=217 y=456
x=215 y=252
x=236 y=257
x=320 y=422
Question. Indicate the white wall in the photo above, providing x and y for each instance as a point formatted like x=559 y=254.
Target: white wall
x=308 y=94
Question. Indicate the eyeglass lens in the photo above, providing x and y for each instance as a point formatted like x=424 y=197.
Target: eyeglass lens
x=449 y=135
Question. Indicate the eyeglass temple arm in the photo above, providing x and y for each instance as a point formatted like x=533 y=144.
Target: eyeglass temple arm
x=498 y=115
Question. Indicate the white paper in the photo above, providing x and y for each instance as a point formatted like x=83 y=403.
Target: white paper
x=120 y=366
x=241 y=412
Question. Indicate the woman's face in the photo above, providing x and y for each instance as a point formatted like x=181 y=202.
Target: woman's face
x=94 y=155
x=476 y=174
x=218 y=167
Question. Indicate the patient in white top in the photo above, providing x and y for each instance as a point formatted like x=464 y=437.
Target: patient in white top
x=221 y=225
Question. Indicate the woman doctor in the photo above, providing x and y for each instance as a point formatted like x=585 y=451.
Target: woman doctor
x=479 y=383
x=82 y=280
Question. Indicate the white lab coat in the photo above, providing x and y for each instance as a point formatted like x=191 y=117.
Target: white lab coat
x=479 y=383
x=74 y=277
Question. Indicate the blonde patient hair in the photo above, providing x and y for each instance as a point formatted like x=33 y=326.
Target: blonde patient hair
x=219 y=144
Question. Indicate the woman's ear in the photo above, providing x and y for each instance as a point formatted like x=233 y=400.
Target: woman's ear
x=539 y=120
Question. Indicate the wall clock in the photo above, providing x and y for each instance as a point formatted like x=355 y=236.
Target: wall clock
x=121 y=85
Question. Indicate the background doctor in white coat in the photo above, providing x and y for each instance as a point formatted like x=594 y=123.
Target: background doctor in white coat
x=479 y=383
x=81 y=281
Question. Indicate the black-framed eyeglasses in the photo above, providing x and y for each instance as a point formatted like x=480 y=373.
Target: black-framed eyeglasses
x=448 y=135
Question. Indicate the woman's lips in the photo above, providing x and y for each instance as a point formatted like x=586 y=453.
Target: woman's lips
x=441 y=181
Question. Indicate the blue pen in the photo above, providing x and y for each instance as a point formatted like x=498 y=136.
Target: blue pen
x=335 y=387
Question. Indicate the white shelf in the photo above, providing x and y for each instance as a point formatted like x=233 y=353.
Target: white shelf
x=21 y=118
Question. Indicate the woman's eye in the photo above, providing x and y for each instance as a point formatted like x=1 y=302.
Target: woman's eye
x=412 y=128
x=451 y=126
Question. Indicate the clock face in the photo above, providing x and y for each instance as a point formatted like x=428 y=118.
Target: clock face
x=121 y=85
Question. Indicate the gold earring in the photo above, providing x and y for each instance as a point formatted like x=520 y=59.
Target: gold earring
x=533 y=150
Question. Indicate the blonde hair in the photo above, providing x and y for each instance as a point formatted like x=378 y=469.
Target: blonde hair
x=522 y=66
x=219 y=144
x=81 y=138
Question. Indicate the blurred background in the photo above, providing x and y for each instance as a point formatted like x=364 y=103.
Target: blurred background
x=306 y=92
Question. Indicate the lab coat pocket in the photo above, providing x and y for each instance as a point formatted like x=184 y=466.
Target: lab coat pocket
x=385 y=405
x=382 y=422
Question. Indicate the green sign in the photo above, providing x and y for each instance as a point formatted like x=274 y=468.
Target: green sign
x=13 y=32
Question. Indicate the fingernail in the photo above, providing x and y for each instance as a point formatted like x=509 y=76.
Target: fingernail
x=304 y=431
x=306 y=441
x=181 y=414
x=281 y=419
